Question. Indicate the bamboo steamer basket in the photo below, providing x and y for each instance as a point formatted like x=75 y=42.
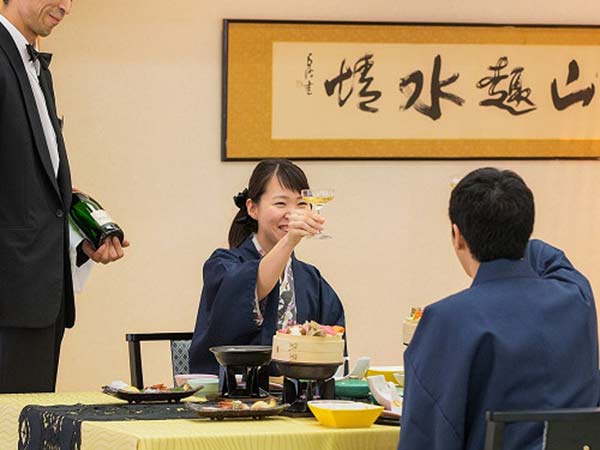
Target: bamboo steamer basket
x=308 y=349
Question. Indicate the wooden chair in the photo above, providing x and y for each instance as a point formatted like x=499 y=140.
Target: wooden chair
x=180 y=346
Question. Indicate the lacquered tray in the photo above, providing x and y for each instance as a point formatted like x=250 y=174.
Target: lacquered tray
x=213 y=412
x=139 y=397
x=388 y=418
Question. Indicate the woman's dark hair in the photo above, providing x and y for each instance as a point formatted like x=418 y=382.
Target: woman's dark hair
x=289 y=175
x=494 y=211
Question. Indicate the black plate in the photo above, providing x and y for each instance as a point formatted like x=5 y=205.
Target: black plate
x=211 y=411
x=139 y=397
x=242 y=355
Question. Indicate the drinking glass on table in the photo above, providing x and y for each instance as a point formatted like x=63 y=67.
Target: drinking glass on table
x=318 y=198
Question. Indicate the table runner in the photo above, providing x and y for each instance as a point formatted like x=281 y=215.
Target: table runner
x=59 y=427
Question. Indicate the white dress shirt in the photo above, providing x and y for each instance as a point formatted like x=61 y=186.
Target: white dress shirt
x=80 y=274
x=33 y=72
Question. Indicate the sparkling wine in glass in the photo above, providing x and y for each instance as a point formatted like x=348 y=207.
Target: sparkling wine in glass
x=318 y=198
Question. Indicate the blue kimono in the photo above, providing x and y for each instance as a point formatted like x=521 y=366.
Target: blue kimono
x=523 y=336
x=226 y=315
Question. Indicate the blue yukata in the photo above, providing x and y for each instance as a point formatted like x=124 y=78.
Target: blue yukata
x=227 y=314
x=522 y=337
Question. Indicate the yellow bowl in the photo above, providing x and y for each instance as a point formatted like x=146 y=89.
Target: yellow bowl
x=387 y=372
x=344 y=414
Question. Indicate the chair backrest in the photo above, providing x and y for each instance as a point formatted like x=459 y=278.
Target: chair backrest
x=564 y=429
x=180 y=356
x=179 y=343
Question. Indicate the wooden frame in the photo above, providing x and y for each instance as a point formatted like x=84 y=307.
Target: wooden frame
x=343 y=90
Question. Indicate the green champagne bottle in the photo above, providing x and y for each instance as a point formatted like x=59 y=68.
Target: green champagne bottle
x=92 y=220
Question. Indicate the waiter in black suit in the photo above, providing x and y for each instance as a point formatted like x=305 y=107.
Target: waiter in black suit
x=36 y=286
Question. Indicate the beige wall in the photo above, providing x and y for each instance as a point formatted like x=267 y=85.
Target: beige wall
x=139 y=84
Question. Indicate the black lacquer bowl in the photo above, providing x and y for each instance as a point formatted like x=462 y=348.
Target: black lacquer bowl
x=307 y=371
x=242 y=355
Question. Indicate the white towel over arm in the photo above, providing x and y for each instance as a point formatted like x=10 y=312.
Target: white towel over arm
x=79 y=274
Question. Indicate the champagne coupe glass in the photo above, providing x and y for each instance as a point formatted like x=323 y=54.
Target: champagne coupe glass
x=318 y=198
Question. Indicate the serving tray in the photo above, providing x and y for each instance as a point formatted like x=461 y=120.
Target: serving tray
x=213 y=412
x=139 y=397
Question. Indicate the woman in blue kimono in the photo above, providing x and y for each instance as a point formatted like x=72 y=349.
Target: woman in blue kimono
x=257 y=286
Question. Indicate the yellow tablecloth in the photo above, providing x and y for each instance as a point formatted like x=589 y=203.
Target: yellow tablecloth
x=276 y=433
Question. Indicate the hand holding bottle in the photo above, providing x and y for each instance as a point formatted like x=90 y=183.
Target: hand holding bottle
x=110 y=250
x=104 y=238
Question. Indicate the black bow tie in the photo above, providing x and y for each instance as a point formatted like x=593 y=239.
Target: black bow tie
x=43 y=58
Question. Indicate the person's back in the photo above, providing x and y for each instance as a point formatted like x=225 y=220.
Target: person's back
x=523 y=336
x=526 y=342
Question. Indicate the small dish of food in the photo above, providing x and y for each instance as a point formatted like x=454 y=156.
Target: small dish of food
x=155 y=393
x=238 y=409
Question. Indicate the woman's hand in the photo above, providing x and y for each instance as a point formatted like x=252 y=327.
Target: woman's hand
x=302 y=223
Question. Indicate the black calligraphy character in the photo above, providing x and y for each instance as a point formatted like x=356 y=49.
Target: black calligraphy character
x=338 y=81
x=416 y=78
x=584 y=96
x=361 y=68
x=515 y=93
x=309 y=60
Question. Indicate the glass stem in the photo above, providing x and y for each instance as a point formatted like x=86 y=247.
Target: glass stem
x=318 y=212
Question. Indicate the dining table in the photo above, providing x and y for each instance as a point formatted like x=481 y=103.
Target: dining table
x=192 y=433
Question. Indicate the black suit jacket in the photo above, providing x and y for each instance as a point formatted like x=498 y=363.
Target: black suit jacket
x=35 y=272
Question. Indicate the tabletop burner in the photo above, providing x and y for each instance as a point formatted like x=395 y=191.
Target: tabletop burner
x=305 y=382
x=244 y=371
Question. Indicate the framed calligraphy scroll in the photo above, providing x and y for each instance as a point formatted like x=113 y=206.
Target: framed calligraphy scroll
x=333 y=90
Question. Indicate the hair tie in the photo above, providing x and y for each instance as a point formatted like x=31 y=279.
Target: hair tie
x=240 y=199
x=240 y=202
